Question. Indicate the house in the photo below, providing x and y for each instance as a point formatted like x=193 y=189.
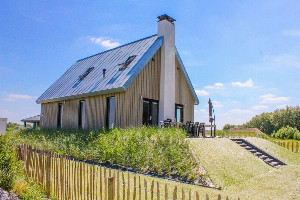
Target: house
x=35 y=120
x=139 y=83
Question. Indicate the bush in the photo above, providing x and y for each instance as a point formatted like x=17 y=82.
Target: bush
x=8 y=164
x=146 y=150
x=287 y=133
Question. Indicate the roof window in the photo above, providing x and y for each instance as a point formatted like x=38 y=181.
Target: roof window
x=127 y=62
x=82 y=76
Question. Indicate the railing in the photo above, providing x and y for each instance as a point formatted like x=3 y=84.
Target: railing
x=65 y=178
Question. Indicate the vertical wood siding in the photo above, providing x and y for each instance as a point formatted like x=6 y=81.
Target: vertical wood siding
x=128 y=104
x=183 y=94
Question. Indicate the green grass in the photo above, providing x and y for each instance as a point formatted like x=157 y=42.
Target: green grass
x=243 y=175
x=146 y=150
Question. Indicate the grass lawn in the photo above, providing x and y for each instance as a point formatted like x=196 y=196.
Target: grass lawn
x=240 y=174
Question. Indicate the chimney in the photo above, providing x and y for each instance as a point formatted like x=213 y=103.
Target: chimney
x=166 y=28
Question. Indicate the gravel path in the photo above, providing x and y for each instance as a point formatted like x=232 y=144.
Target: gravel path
x=7 y=196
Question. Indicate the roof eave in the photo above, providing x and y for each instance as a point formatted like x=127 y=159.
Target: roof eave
x=78 y=96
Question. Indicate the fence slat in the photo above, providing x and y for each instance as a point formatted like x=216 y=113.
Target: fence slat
x=128 y=188
x=175 y=193
x=152 y=190
x=140 y=189
x=166 y=192
x=124 y=189
x=101 y=192
x=197 y=196
x=134 y=187
x=110 y=188
x=118 y=185
x=146 y=191
x=158 y=192
x=190 y=194
x=105 y=184
x=183 y=194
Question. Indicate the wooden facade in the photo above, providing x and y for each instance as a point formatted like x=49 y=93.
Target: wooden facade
x=128 y=104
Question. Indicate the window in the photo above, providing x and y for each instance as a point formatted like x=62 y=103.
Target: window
x=150 y=112
x=110 y=117
x=60 y=115
x=179 y=112
x=82 y=76
x=81 y=116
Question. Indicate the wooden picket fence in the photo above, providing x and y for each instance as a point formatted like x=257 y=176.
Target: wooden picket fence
x=65 y=178
x=293 y=146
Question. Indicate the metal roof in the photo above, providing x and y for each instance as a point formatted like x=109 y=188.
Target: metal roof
x=32 y=119
x=75 y=84
x=71 y=86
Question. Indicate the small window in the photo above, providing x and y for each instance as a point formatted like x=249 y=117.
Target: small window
x=82 y=76
x=179 y=112
x=110 y=116
x=60 y=115
x=81 y=116
x=129 y=59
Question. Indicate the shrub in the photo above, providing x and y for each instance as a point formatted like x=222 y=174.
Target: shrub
x=287 y=133
x=8 y=164
x=147 y=149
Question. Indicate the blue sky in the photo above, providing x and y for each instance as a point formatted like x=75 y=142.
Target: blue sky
x=244 y=55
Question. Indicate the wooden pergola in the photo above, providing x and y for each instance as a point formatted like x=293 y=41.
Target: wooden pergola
x=35 y=120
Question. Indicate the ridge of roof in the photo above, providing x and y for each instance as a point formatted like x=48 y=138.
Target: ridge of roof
x=117 y=47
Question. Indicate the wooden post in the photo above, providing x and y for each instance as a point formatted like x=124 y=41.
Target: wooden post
x=118 y=185
x=175 y=193
x=124 y=189
x=292 y=146
x=219 y=197
x=145 y=185
x=140 y=189
x=105 y=184
x=190 y=194
x=207 y=197
x=152 y=190
x=197 y=196
x=166 y=192
x=48 y=173
x=110 y=188
x=158 y=191
x=134 y=187
x=101 y=192
x=183 y=194
x=128 y=187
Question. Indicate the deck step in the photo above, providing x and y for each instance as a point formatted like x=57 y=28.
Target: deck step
x=268 y=159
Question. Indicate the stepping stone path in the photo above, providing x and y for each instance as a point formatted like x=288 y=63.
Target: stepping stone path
x=268 y=159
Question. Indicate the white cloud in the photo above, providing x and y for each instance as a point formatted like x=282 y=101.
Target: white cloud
x=240 y=111
x=104 y=41
x=215 y=86
x=217 y=104
x=14 y=97
x=291 y=33
x=202 y=92
x=271 y=98
x=260 y=107
x=248 y=83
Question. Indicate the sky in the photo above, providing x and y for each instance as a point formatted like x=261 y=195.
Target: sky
x=244 y=55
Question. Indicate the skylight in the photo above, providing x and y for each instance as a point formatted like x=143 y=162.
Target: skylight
x=127 y=62
x=82 y=76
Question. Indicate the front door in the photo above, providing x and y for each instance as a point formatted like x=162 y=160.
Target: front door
x=150 y=112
